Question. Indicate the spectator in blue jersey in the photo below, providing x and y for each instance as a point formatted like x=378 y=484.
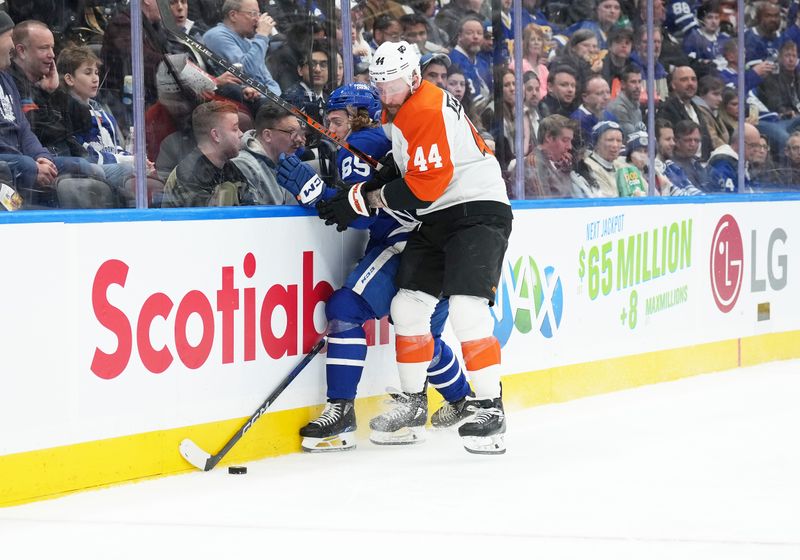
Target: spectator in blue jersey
x=780 y=93
x=561 y=98
x=469 y=39
x=606 y=16
x=277 y=131
x=625 y=106
x=531 y=13
x=754 y=74
x=679 y=18
x=681 y=106
x=762 y=41
x=596 y=95
x=353 y=114
x=676 y=182
x=703 y=44
x=723 y=165
x=243 y=36
x=687 y=143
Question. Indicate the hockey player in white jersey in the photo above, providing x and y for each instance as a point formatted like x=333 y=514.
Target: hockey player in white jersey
x=453 y=181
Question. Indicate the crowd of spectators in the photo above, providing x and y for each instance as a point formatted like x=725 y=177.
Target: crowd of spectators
x=66 y=101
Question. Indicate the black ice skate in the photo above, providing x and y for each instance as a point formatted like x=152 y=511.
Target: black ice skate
x=404 y=422
x=484 y=432
x=334 y=430
x=453 y=413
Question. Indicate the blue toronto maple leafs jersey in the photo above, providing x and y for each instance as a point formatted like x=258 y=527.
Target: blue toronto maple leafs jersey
x=387 y=226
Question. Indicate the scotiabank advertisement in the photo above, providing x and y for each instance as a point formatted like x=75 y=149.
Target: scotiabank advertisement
x=111 y=329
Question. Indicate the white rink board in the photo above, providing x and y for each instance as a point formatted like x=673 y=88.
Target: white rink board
x=51 y=331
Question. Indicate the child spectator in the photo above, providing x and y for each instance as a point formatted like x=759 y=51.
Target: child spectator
x=708 y=100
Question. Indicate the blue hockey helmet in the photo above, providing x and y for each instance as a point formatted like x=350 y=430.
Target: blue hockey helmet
x=358 y=96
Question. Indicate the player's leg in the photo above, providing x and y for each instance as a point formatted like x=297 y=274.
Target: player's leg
x=334 y=429
x=446 y=376
x=474 y=257
x=405 y=420
x=367 y=294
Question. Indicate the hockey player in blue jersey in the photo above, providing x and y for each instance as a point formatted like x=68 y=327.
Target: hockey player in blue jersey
x=352 y=113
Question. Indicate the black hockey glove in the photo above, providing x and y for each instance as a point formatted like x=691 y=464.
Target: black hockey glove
x=344 y=207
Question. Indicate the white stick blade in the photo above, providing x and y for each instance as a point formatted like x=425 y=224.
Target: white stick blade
x=192 y=453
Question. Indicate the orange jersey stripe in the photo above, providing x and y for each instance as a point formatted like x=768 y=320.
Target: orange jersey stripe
x=481 y=353
x=414 y=349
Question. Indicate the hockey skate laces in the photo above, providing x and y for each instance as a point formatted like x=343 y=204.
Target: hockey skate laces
x=483 y=414
x=329 y=415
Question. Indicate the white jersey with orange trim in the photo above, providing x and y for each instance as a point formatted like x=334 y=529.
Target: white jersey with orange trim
x=442 y=157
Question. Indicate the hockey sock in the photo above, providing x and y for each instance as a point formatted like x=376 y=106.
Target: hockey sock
x=482 y=358
x=445 y=375
x=347 y=351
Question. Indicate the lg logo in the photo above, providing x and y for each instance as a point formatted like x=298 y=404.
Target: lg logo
x=727 y=262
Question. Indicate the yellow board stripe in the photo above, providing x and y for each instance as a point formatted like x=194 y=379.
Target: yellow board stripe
x=48 y=473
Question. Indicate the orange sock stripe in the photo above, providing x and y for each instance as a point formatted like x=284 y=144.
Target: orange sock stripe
x=481 y=353
x=414 y=349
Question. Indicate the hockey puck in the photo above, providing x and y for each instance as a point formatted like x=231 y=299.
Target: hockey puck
x=237 y=470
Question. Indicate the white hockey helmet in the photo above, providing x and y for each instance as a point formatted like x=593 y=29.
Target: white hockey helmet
x=394 y=60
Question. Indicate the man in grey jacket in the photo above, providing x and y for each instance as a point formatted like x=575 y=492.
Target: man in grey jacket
x=626 y=105
x=277 y=131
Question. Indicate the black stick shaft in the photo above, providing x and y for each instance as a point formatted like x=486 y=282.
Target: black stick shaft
x=214 y=459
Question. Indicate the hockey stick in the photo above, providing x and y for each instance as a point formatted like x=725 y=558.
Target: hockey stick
x=205 y=461
x=169 y=25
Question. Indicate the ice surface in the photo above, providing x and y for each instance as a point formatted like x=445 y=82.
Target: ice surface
x=703 y=468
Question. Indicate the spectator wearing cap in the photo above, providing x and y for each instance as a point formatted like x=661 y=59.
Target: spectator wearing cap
x=415 y=31
x=561 y=98
x=548 y=174
x=632 y=172
x=434 y=68
x=708 y=100
x=607 y=14
x=704 y=43
x=620 y=46
x=625 y=106
x=596 y=174
x=595 y=97
x=243 y=36
x=469 y=40
x=679 y=106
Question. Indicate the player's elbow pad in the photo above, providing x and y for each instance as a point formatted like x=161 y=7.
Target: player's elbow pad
x=399 y=196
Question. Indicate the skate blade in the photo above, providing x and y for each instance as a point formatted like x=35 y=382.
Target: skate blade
x=491 y=445
x=403 y=436
x=340 y=442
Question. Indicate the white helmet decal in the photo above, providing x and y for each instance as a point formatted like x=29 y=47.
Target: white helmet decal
x=394 y=60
